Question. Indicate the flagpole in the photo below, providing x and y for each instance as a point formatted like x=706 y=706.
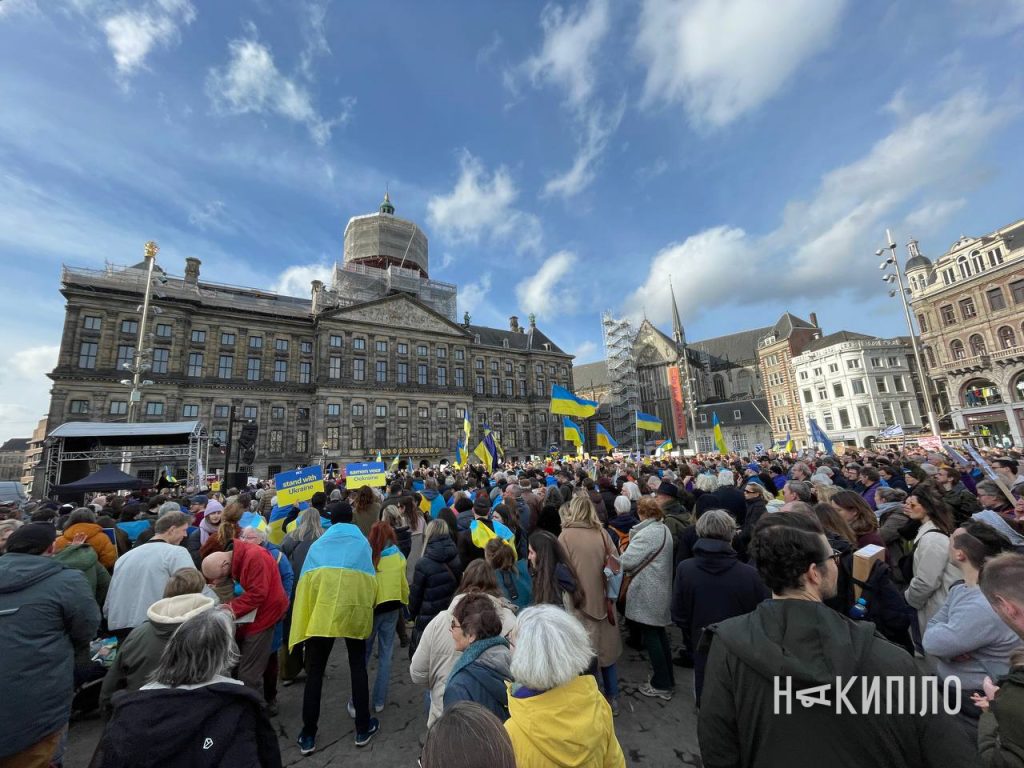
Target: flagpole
x=636 y=428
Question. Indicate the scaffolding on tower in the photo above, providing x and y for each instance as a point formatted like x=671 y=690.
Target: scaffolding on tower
x=624 y=385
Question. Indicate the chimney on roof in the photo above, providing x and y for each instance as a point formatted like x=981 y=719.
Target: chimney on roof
x=316 y=290
x=814 y=319
x=513 y=324
x=192 y=272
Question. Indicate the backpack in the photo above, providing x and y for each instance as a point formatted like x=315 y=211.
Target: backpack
x=887 y=609
x=622 y=538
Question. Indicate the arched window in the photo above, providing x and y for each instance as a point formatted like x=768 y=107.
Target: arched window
x=980 y=392
x=1007 y=338
x=956 y=349
x=976 y=262
x=964 y=266
x=1017 y=388
x=977 y=345
x=719 y=384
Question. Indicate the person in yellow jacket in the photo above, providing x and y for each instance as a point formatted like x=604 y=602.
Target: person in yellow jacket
x=335 y=597
x=392 y=594
x=558 y=717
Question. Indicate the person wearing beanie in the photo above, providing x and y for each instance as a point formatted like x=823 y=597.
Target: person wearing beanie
x=47 y=615
x=468 y=551
x=207 y=527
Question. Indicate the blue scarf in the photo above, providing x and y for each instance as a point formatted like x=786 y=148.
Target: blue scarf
x=473 y=652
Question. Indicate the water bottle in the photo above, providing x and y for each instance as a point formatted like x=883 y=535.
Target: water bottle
x=859 y=609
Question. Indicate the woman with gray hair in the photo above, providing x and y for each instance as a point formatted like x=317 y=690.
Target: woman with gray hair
x=552 y=698
x=190 y=713
x=712 y=586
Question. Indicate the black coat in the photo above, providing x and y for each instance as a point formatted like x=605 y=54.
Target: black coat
x=435 y=580
x=468 y=551
x=712 y=586
x=755 y=508
x=217 y=725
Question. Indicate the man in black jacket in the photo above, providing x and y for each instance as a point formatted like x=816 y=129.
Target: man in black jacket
x=781 y=682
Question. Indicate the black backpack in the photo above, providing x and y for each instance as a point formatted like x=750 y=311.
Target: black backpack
x=887 y=608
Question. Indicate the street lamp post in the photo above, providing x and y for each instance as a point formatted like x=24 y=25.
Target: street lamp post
x=898 y=276
x=138 y=365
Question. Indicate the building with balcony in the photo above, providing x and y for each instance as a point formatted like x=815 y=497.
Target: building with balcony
x=969 y=305
x=855 y=385
x=375 y=361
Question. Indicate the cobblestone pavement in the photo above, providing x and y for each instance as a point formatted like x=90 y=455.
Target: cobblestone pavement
x=652 y=732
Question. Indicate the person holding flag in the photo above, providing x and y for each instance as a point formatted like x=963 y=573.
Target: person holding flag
x=716 y=428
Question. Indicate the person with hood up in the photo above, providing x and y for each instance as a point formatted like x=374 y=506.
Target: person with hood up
x=47 y=616
x=82 y=558
x=139 y=655
x=794 y=642
x=481 y=674
x=557 y=715
x=82 y=522
x=435 y=579
x=712 y=586
x=191 y=714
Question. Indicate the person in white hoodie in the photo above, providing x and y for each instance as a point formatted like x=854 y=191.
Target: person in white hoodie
x=966 y=636
x=933 y=572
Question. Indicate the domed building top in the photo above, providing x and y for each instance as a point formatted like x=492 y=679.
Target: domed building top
x=917 y=259
x=383 y=240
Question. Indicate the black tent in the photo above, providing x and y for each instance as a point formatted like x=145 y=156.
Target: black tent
x=106 y=478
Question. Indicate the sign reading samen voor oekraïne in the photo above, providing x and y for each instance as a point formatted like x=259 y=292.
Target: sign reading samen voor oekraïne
x=298 y=485
x=365 y=473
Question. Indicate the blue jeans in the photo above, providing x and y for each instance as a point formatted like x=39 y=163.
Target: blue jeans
x=610 y=681
x=383 y=633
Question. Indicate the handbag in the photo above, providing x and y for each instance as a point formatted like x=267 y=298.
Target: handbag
x=612 y=578
x=627 y=579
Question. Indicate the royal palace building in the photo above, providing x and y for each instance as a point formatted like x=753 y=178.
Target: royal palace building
x=376 y=361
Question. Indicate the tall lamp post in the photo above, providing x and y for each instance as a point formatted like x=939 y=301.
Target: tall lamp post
x=138 y=365
x=896 y=276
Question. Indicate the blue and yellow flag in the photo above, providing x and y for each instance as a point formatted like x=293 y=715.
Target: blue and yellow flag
x=461 y=453
x=647 y=422
x=487 y=451
x=253 y=520
x=789 y=447
x=571 y=432
x=392 y=584
x=481 y=534
x=169 y=475
x=566 y=403
x=467 y=429
x=379 y=459
x=664 y=448
x=605 y=439
x=716 y=428
x=394 y=463
x=337 y=589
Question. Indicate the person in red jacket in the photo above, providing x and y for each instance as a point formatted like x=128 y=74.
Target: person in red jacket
x=252 y=569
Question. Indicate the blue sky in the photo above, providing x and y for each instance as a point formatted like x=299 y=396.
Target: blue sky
x=562 y=158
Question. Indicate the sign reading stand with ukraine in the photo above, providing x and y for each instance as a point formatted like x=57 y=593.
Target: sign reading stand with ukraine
x=365 y=473
x=298 y=485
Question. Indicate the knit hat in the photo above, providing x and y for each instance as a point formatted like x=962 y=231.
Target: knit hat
x=340 y=512
x=668 y=489
x=32 y=539
x=481 y=505
x=213 y=507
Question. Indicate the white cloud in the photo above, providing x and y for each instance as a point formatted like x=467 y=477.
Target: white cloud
x=487 y=52
x=209 y=216
x=296 y=280
x=473 y=296
x=481 y=206
x=571 y=42
x=313 y=18
x=597 y=132
x=25 y=390
x=722 y=58
x=587 y=352
x=252 y=83
x=131 y=35
x=931 y=215
x=447 y=260
x=834 y=234
x=545 y=293
x=990 y=17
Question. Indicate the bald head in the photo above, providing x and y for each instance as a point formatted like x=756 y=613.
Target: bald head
x=217 y=566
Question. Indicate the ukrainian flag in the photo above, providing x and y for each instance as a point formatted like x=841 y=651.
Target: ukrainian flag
x=467 y=428
x=337 y=588
x=275 y=528
x=571 y=432
x=663 y=448
x=487 y=451
x=605 y=439
x=648 y=422
x=392 y=584
x=379 y=459
x=716 y=427
x=566 y=403
x=481 y=534
x=789 y=443
x=461 y=454
x=394 y=463
x=253 y=520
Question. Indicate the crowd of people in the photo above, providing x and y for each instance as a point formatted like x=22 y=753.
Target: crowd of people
x=180 y=613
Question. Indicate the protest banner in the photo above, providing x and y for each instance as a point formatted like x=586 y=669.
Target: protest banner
x=370 y=473
x=298 y=485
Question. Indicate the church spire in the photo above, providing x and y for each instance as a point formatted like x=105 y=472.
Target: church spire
x=678 y=334
x=386 y=206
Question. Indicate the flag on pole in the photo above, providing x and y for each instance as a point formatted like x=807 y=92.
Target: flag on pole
x=894 y=431
x=605 y=439
x=566 y=403
x=818 y=436
x=662 y=449
x=487 y=451
x=379 y=459
x=716 y=428
x=788 y=447
x=571 y=432
x=647 y=422
x=394 y=463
